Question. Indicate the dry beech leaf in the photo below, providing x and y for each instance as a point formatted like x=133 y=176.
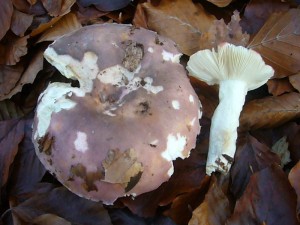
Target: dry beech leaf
x=140 y=18
x=268 y=199
x=182 y=21
x=258 y=11
x=6 y=12
x=274 y=111
x=44 y=26
x=9 y=110
x=65 y=25
x=59 y=7
x=215 y=208
x=278 y=42
x=89 y=15
x=251 y=156
x=278 y=87
x=9 y=76
x=46 y=198
x=12 y=48
x=50 y=219
x=220 y=32
x=11 y=134
x=27 y=77
x=20 y=22
x=220 y=3
x=294 y=178
x=295 y=81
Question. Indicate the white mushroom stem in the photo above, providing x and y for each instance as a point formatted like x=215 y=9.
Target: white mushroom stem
x=224 y=123
x=236 y=69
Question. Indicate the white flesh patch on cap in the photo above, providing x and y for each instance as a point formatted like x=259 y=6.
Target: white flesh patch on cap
x=193 y=121
x=175 y=147
x=84 y=71
x=199 y=114
x=171 y=171
x=191 y=99
x=168 y=56
x=150 y=88
x=53 y=99
x=80 y=143
x=150 y=49
x=176 y=104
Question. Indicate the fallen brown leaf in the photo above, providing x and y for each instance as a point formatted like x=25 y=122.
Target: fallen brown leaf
x=49 y=199
x=251 y=156
x=140 y=18
x=274 y=111
x=59 y=7
x=295 y=81
x=268 y=199
x=12 y=48
x=214 y=210
x=294 y=177
x=182 y=21
x=22 y=77
x=278 y=87
x=9 y=110
x=20 y=22
x=50 y=219
x=44 y=26
x=258 y=11
x=220 y=32
x=9 y=76
x=6 y=12
x=66 y=24
x=89 y=15
x=32 y=7
x=220 y=3
x=278 y=42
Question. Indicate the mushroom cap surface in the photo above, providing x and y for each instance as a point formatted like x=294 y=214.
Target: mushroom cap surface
x=133 y=113
x=230 y=62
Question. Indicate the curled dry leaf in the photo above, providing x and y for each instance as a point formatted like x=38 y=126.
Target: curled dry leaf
x=295 y=81
x=65 y=25
x=214 y=210
x=27 y=7
x=20 y=77
x=140 y=18
x=220 y=32
x=182 y=21
x=278 y=87
x=294 y=177
x=268 y=199
x=49 y=199
x=220 y=3
x=278 y=42
x=44 y=26
x=20 y=22
x=6 y=12
x=12 y=48
x=59 y=7
x=11 y=134
x=9 y=110
x=9 y=76
x=251 y=156
x=274 y=111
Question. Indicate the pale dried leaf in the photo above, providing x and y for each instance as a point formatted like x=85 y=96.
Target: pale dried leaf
x=278 y=42
x=278 y=87
x=6 y=12
x=20 y=22
x=281 y=148
x=65 y=25
x=274 y=111
x=58 y=7
x=12 y=49
x=219 y=32
x=182 y=21
x=28 y=76
x=220 y=3
x=295 y=81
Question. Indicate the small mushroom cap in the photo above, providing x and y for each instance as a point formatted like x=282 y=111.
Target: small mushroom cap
x=230 y=62
x=133 y=113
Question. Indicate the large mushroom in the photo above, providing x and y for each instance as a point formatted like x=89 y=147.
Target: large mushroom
x=133 y=113
x=236 y=70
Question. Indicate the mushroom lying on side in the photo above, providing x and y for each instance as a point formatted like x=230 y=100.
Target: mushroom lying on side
x=237 y=70
x=133 y=113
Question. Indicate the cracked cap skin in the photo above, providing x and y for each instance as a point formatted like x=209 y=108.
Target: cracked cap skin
x=133 y=113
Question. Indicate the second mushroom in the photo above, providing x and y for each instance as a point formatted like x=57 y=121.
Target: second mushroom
x=237 y=70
